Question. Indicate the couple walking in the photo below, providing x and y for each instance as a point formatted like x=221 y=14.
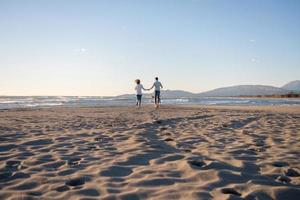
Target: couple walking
x=139 y=87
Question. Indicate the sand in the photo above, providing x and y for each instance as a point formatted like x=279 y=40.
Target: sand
x=182 y=152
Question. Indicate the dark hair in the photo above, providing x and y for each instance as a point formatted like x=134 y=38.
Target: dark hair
x=138 y=81
x=156 y=78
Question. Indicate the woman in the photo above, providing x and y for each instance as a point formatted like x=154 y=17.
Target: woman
x=138 y=88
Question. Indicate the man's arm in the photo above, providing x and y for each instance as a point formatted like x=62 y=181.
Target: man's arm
x=151 y=87
x=161 y=85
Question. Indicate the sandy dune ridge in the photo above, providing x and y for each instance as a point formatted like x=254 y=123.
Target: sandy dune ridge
x=177 y=152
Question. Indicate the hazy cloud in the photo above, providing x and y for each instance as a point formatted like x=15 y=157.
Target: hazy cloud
x=80 y=50
x=124 y=27
x=255 y=60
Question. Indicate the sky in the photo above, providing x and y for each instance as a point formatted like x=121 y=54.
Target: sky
x=99 y=47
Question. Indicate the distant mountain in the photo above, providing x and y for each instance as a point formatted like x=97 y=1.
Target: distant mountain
x=243 y=90
x=292 y=86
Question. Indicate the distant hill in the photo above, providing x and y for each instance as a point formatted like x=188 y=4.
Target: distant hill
x=177 y=94
x=292 y=86
x=243 y=90
x=164 y=93
x=232 y=91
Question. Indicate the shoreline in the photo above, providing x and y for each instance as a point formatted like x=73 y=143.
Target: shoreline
x=274 y=108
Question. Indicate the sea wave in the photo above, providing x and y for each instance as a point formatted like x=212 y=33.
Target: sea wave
x=50 y=101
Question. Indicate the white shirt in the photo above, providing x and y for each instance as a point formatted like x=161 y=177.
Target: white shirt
x=138 y=89
x=157 y=85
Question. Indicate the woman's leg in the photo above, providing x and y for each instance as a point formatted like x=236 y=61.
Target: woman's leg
x=139 y=100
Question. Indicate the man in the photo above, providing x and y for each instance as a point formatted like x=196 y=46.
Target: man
x=157 y=85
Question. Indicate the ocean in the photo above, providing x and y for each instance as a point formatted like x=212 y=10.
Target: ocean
x=9 y=102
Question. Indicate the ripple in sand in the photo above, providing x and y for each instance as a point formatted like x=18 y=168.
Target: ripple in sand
x=7 y=147
x=4 y=176
x=131 y=196
x=38 y=142
x=89 y=192
x=26 y=186
x=54 y=165
x=156 y=182
x=287 y=193
x=66 y=172
x=169 y=159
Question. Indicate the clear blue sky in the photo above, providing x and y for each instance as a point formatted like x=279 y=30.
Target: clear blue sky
x=86 y=47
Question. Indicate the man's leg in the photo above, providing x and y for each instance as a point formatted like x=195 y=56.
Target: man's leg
x=157 y=98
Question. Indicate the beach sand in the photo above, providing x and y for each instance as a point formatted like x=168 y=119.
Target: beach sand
x=176 y=152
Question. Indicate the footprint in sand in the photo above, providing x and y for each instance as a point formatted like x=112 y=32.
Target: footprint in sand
x=34 y=193
x=258 y=149
x=74 y=161
x=283 y=179
x=292 y=172
x=13 y=165
x=230 y=191
x=20 y=175
x=75 y=182
x=168 y=139
x=62 y=188
x=116 y=171
x=197 y=164
x=280 y=164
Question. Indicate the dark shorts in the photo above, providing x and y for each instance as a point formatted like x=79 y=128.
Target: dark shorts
x=157 y=94
x=139 y=97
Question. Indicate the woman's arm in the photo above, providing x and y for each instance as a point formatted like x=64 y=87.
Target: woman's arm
x=144 y=88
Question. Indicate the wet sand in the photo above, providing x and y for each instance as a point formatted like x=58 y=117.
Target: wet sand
x=176 y=152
